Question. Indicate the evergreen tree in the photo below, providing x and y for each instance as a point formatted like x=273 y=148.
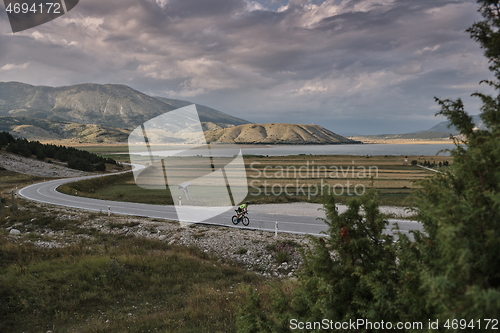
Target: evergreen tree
x=357 y=272
x=461 y=208
x=348 y=271
x=40 y=153
x=6 y=138
x=77 y=159
x=450 y=271
x=100 y=167
x=13 y=148
x=25 y=151
x=80 y=164
x=3 y=141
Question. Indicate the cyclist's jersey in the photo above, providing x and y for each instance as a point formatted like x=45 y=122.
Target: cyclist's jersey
x=243 y=206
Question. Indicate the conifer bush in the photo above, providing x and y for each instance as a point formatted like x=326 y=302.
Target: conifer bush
x=449 y=272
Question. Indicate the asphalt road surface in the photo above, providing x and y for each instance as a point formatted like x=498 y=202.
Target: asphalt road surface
x=46 y=192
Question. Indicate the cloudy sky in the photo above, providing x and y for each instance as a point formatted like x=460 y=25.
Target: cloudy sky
x=352 y=66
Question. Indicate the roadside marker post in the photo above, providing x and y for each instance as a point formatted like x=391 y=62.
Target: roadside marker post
x=276 y=229
x=109 y=210
x=13 y=205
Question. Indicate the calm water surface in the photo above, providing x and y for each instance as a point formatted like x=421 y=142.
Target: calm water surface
x=285 y=150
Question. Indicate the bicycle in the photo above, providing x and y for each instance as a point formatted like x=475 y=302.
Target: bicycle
x=243 y=219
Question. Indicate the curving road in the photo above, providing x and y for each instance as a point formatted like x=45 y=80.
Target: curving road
x=46 y=192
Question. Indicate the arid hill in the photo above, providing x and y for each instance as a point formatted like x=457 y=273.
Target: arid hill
x=110 y=105
x=275 y=134
x=61 y=132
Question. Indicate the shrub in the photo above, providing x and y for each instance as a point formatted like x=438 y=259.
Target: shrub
x=100 y=167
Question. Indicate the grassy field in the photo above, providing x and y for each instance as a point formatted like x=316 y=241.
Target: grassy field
x=300 y=178
x=98 y=149
x=101 y=282
x=11 y=179
x=95 y=281
x=118 y=188
x=117 y=152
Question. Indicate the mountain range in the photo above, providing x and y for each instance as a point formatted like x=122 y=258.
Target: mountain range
x=439 y=132
x=446 y=128
x=110 y=105
x=95 y=113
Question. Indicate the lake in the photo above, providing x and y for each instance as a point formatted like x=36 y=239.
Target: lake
x=284 y=150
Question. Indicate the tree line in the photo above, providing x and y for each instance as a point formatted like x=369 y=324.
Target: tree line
x=76 y=159
x=433 y=164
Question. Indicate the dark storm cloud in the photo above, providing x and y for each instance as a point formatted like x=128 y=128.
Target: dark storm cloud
x=359 y=59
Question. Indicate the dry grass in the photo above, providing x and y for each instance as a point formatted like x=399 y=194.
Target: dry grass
x=111 y=283
x=11 y=179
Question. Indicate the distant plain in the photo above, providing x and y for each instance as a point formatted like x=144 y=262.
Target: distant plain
x=282 y=179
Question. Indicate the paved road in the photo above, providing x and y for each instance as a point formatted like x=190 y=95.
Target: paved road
x=46 y=192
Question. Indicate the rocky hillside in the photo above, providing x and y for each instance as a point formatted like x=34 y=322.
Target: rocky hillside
x=111 y=105
x=275 y=134
x=68 y=133
x=212 y=119
x=62 y=132
x=95 y=113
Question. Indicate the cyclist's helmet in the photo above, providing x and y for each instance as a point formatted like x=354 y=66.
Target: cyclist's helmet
x=248 y=202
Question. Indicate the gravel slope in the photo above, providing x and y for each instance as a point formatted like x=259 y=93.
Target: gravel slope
x=251 y=250
x=33 y=167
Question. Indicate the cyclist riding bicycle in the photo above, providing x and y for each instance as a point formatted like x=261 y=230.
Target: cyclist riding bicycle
x=243 y=209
